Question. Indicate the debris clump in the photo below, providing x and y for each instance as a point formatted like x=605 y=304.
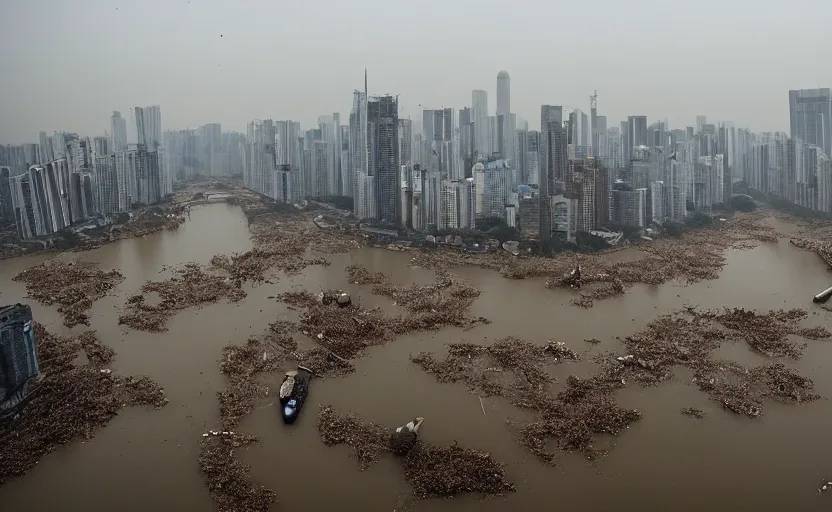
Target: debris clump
x=367 y=440
x=190 y=286
x=70 y=403
x=73 y=286
x=357 y=274
x=227 y=478
x=693 y=412
x=687 y=338
x=431 y=471
x=445 y=471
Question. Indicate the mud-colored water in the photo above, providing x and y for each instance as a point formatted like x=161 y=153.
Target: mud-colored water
x=147 y=460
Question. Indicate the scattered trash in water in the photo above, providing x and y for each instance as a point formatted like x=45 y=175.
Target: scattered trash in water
x=73 y=286
x=431 y=471
x=693 y=412
x=70 y=403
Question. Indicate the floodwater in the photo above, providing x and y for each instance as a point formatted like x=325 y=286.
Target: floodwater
x=147 y=459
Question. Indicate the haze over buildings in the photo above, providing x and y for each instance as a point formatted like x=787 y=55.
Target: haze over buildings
x=199 y=79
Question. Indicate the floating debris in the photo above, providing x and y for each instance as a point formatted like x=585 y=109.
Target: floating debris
x=70 y=403
x=431 y=471
x=73 y=286
x=693 y=412
x=190 y=286
x=227 y=478
x=357 y=274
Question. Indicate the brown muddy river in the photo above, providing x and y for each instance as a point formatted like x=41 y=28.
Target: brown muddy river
x=147 y=459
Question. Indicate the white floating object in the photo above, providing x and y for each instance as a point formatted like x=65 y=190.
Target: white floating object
x=204 y=435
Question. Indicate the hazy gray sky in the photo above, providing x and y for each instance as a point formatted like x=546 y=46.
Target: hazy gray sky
x=67 y=64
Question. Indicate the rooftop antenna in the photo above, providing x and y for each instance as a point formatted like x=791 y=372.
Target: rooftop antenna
x=365 y=82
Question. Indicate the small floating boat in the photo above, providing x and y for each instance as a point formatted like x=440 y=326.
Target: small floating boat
x=293 y=392
x=823 y=296
x=404 y=438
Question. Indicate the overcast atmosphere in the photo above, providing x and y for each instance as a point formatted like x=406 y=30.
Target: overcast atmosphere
x=68 y=65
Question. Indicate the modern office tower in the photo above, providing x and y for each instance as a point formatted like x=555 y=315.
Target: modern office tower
x=810 y=117
x=466 y=200
x=364 y=203
x=101 y=145
x=383 y=127
x=449 y=212
x=532 y=161
x=499 y=183
x=479 y=105
x=19 y=370
x=330 y=133
x=629 y=207
x=563 y=217
x=521 y=149
x=345 y=166
x=551 y=163
x=287 y=159
x=708 y=182
x=260 y=153
x=824 y=175
x=584 y=184
x=658 y=202
x=484 y=137
x=677 y=187
x=6 y=209
x=503 y=93
x=529 y=213
x=127 y=164
x=27 y=213
x=106 y=185
x=700 y=123
x=406 y=142
x=466 y=139
x=636 y=135
x=118 y=132
x=58 y=145
x=478 y=176
x=428 y=128
x=321 y=160
x=149 y=126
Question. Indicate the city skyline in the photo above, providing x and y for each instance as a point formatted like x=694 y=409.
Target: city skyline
x=728 y=75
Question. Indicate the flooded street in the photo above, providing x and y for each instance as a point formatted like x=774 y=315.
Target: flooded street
x=147 y=459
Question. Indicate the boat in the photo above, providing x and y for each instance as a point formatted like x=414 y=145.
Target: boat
x=823 y=296
x=293 y=392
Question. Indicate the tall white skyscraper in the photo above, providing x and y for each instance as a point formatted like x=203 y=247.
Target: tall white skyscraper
x=118 y=129
x=363 y=189
x=479 y=105
x=503 y=93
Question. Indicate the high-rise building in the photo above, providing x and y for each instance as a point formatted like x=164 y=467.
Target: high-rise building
x=346 y=174
x=383 y=127
x=503 y=93
x=406 y=142
x=27 y=211
x=321 y=160
x=106 y=185
x=118 y=130
x=810 y=117
x=101 y=145
x=6 y=209
x=551 y=162
x=479 y=105
x=636 y=135
x=19 y=368
x=363 y=192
